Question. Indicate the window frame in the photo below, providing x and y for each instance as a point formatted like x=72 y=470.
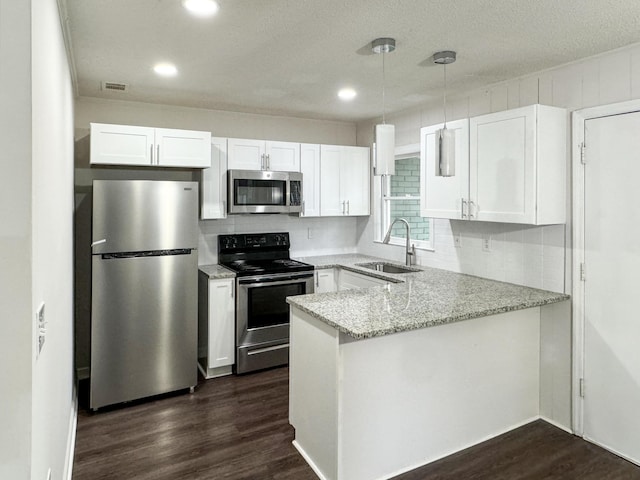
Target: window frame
x=383 y=205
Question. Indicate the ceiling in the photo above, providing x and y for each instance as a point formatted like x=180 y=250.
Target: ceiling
x=290 y=57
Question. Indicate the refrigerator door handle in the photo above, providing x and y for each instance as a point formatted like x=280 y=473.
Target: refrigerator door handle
x=98 y=242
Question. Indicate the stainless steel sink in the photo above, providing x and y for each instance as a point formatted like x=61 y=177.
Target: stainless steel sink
x=387 y=267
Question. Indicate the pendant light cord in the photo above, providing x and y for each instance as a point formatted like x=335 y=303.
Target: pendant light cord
x=445 y=96
x=383 y=92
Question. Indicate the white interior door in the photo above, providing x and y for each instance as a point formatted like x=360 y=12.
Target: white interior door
x=612 y=259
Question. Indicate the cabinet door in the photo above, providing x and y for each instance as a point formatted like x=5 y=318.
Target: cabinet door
x=243 y=154
x=182 y=148
x=355 y=178
x=348 y=280
x=502 y=166
x=325 y=280
x=121 y=144
x=443 y=197
x=310 y=168
x=330 y=202
x=221 y=323
x=283 y=156
x=213 y=188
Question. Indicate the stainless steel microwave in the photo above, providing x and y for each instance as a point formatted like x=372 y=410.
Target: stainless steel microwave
x=257 y=191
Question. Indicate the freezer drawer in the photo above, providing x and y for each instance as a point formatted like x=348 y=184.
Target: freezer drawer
x=144 y=326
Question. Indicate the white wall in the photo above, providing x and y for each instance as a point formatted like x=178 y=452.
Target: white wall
x=334 y=235
x=53 y=417
x=35 y=241
x=15 y=240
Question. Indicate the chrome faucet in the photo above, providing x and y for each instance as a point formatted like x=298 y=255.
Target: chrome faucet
x=410 y=253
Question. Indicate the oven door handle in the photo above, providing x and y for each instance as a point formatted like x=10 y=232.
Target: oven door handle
x=272 y=280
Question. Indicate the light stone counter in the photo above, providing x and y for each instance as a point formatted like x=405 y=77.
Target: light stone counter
x=216 y=271
x=426 y=298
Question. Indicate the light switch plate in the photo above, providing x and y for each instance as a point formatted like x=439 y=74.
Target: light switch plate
x=457 y=240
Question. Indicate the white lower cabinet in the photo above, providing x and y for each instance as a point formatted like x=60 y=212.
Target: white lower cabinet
x=348 y=280
x=216 y=325
x=325 y=280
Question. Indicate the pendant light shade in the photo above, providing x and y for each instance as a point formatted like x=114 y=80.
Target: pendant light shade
x=445 y=139
x=384 y=160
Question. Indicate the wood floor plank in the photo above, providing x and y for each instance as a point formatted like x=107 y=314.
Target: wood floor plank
x=237 y=428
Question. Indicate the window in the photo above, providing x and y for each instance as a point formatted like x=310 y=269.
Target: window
x=400 y=198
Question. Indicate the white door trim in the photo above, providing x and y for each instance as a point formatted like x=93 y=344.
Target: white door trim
x=577 y=139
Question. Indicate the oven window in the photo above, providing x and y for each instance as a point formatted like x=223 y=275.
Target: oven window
x=267 y=305
x=259 y=192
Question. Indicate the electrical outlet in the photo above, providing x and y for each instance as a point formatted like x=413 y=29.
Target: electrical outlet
x=309 y=233
x=457 y=240
x=486 y=242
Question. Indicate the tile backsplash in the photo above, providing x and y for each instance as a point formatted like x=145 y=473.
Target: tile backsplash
x=309 y=236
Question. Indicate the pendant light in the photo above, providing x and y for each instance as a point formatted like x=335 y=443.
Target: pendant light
x=445 y=138
x=384 y=135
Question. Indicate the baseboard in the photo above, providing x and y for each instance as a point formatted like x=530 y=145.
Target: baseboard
x=71 y=437
x=556 y=424
x=307 y=459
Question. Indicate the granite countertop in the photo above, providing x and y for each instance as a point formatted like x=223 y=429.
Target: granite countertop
x=422 y=299
x=216 y=271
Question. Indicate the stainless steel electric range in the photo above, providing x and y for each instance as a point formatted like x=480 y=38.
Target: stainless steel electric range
x=265 y=276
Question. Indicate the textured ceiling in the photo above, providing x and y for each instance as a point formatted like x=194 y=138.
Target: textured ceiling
x=290 y=57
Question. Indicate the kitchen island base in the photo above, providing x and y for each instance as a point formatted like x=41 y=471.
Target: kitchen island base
x=375 y=408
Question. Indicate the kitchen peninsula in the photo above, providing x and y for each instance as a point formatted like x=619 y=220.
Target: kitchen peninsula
x=388 y=378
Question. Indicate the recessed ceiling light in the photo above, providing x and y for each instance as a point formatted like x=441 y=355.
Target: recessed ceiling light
x=201 y=8
x=165 y=69
x=347 y=94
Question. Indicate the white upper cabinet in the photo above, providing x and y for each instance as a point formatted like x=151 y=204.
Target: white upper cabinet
x=443 y=197
x=213 y=189
x=355 y=180
x=344 y=180
x=283 y=156
x=510 y=168
x=517 y=165
x=310 y=168
x=247 y=154
x=183 y=148
x=145 y=146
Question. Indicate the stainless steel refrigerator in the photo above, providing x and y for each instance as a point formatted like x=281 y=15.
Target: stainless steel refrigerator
x=144 y=303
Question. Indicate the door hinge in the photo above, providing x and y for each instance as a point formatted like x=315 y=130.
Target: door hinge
x=583 y=275
x=582 y=387
x=583 y=158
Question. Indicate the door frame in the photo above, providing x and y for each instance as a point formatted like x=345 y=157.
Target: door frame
x=578 y=119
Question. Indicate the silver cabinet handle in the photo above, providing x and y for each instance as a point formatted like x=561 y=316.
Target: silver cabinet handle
x=348 y=209
x=232 y=288
x=473 y=212
x=268 y=161
x=317 y=279
x=463 y=214
x=262 y=162
x=343 y=203
x=152 y=154
x=304 y=208
x=158 y=155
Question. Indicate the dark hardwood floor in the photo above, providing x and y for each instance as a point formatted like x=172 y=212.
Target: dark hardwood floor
x=237 y=428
